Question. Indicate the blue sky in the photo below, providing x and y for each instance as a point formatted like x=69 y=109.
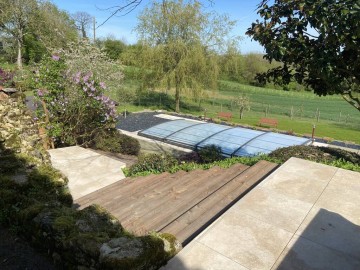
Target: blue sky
x=243 y=11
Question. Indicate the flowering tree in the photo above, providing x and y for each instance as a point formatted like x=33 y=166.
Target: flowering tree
x=243 y=102
x=76 y=103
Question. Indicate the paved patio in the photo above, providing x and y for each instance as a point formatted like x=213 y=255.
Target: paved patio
x=86 y=170
x=305 y=215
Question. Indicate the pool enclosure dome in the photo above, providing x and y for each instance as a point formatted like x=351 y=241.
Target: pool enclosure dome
x=233 y=141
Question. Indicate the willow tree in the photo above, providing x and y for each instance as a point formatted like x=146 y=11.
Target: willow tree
x=179 y=43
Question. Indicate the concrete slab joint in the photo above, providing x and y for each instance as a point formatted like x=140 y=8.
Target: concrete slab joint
x=304 y=215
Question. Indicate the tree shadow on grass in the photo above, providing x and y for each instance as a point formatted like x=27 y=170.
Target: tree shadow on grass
x=163 y=101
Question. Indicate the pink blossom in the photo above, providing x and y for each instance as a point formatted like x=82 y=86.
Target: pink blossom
x=55 y=57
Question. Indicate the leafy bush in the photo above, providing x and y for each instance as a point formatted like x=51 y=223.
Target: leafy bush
x=153 y=163
x=210 y=153
x=77 y=105
x=84 y=56
x=193 y=165
x=6 y=78
x=113 y=141
x=330 y=156
x=318 y=154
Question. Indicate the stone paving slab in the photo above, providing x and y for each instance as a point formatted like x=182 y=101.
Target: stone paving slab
x=86 y=170
x=304 y=215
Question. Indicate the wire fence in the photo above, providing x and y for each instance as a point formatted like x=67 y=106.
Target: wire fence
x=212 y=106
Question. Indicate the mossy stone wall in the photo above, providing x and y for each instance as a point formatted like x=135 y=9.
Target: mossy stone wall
x=35 y=202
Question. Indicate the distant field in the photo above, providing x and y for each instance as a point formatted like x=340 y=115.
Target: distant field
x=333 y=117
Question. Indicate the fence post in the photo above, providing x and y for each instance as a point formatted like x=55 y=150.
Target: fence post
x=318 y=116
x=313 y=133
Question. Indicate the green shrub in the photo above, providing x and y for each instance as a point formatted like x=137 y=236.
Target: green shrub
x=154 y=163
x=6 y=78
x=210 y=153
x=113 y=141
x=317 y=154
x=326 y=155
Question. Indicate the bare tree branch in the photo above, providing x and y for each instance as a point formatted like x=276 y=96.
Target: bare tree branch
x=126 y=8
x=123 y=10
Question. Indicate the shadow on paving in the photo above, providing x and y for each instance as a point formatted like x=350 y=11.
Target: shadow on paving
x=328 y=242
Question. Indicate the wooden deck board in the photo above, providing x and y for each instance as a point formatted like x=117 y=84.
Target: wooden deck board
x=195 y=219
x=119 y=191
x=198 y=190
x=176 y=190
x=182 y=203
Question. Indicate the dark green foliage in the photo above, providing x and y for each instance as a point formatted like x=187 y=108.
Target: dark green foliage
x=317 y=154
x=330 y=156
x=46 y=184
x=10 y=164
x=113 y=141
x=210 y=153
x=34 y=49
x=38 y=211
x=153 y=163
x=113 y=48
x=327 y=59
x=6 y=78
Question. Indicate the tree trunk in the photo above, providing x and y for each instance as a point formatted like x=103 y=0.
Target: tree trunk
x=83 y=31
x=177 y=98
x=177 y=94
x=241 y=113
x=19 y=56
x=168 y=87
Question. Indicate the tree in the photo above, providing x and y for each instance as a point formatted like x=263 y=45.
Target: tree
x=83 y=22
x=113 y=47
x=34 y=28
x=317 y=41
x=179 y=43
x=54 y=27
x=15 y=18
x=243 y=102
x=231 y=64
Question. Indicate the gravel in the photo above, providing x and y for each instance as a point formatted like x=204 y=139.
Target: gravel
x=139 y=121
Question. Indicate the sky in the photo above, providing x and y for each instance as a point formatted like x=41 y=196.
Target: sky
x=242 y=11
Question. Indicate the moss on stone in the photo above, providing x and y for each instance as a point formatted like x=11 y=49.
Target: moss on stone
x=10 y=164
x=64 y=224
x=41 y=207
x=172 y=245
x=30 y=212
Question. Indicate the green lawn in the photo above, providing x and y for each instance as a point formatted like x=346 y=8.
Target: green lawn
x=337 y=120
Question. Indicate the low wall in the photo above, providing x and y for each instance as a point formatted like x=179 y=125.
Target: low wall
x=35 y=202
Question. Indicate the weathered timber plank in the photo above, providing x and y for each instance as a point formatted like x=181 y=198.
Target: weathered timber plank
x=204 y=186
x=188 y=225
x=118 y=189
x=176 y=190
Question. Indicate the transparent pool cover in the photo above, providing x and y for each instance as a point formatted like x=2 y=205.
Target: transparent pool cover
x=233 y=141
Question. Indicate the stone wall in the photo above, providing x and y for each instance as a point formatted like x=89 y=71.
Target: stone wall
x=18 y=130
x=35 y=201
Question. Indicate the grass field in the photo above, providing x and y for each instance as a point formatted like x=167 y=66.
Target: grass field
x=333 y=117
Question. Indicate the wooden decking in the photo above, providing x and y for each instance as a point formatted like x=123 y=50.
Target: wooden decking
x=182 y=204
